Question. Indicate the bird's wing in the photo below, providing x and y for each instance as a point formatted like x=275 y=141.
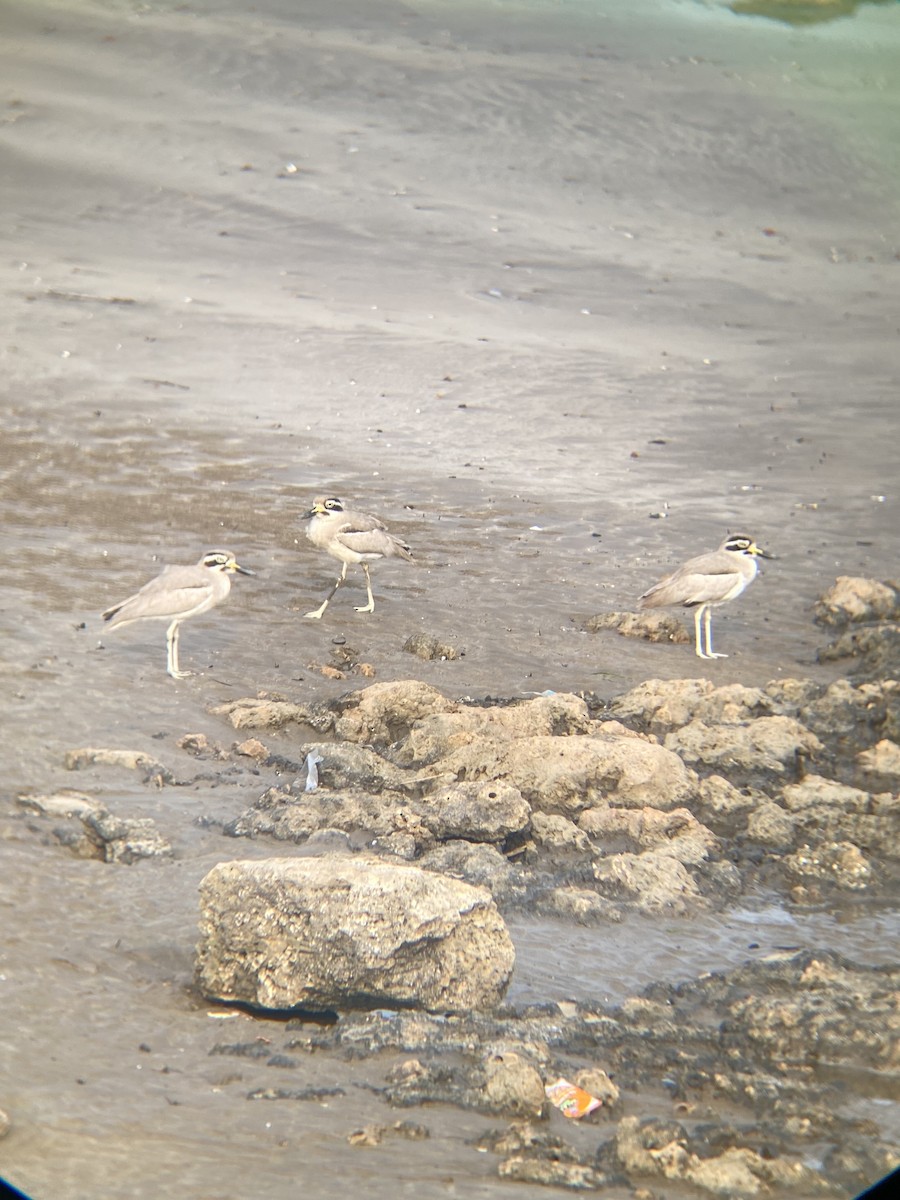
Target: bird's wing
x=697 y=587
x=700 y=579
x=359 y=522
x=176 y=590
x=375 y=541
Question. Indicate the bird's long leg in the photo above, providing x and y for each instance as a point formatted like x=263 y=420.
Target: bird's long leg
x=370 y=606
x=172 y=652
x=698 y=637
x=317 y=613
x=707 y=620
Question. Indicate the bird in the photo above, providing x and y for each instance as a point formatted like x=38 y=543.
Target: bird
x=705 y=582
x=177 y=593
x=350 y=537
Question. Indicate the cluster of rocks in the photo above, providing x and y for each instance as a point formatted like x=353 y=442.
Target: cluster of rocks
x=431 y=816
x=676 y=794
x=87 y=827
x=866 y=613
x=740 y=1075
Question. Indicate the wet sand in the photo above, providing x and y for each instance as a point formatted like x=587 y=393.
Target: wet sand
x=519 y=280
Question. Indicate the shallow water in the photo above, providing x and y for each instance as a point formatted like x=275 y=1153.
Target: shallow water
x=519 y=277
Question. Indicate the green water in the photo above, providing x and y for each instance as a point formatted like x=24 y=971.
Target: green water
x=792 y=13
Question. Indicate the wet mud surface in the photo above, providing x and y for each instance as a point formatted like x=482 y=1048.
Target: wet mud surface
x=563 y=304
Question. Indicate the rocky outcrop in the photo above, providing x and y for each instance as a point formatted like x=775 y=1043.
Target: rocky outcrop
x=650 y=626
x=757 y=750
x=868 y=614
x=852 y=600
x=93 y=831
x=478 y=812
x=676 y=794
x=340 y=932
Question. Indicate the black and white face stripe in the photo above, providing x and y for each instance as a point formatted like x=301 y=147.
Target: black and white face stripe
x=739 y=543
x=222 y=560
x=216 y=560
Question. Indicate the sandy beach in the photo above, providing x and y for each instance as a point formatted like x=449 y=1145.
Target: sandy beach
x=565 y=293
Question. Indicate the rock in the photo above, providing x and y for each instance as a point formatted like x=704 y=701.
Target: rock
x=345 y=765
x=124 y=840
x=770 y=825
x=851 y=600
x=876 y=646
x=677 y=834
x=383 y=714
x=881 y=761
x=558 y=834
x=850 y=716
x=289 y=817
x=132 y=760
x=526 y=1137
x=423 y=645
x=63 y=803
x=412 y=1082
x=840 y=863
x=399 y=844
x=565 y=775
x=374 y=1135
x=596 y=1082
x=535 y=1155
x=663 y=1148
x=478 y=864
x=513 y=1085
x=478 y=812
x=810 y=1008
x=655 y=882
x=334 y=933
x=269 y=712
x=766 y=746
x=664 y=704
x=826 y=810
x=720 y=799
x=435 y=737
x=369 y=1135
x=651 y=626
x=788 y=697
x=551 y=1173
x=577 y=904
x=199 y=745
x=252 y=748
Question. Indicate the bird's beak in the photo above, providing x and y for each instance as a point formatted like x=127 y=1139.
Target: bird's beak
x=312 y=512
x=760 y=553
x=233 y=566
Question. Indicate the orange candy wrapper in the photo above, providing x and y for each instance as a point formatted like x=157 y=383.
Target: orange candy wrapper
x=573 y=1102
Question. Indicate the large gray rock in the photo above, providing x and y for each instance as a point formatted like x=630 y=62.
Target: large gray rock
x=479 y=812
x=677 y=834
x=338 y=933
x=383 y=713
x=443 y=731
x=663 y=704
x=653 y=881
x=480 y=864
x=881 y=762
x=566 y=775
x=768 y=745
x=852 y=599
